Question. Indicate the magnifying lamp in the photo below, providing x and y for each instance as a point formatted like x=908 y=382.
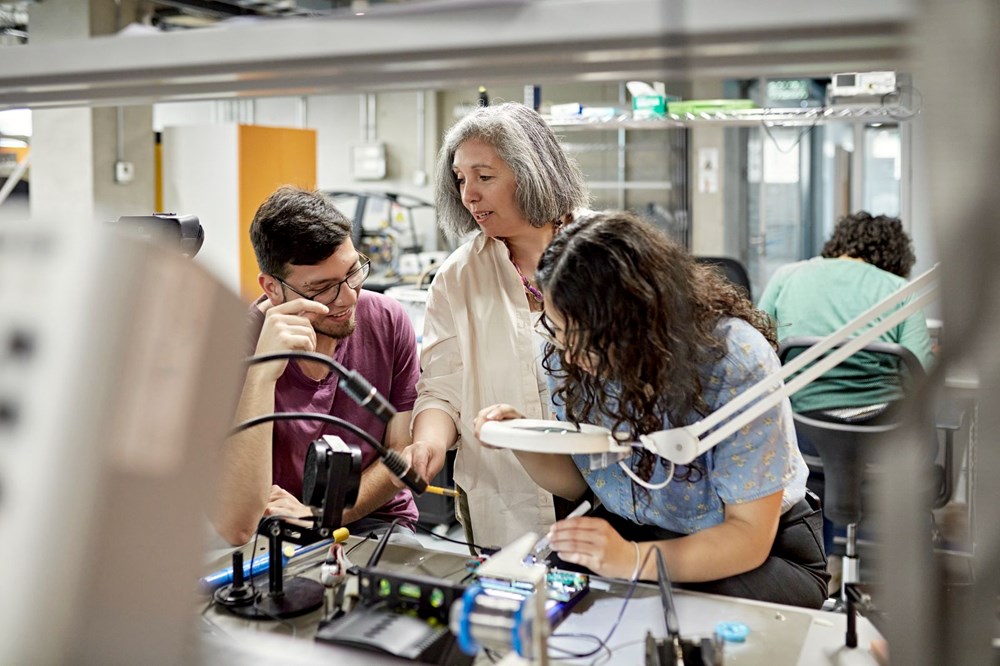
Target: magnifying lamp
x=542 y=436
x=682 y=445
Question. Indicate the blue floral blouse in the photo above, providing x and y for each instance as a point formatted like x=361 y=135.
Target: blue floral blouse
x=759 y=460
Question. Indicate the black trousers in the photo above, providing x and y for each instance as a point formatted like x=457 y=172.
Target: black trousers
x=794 y=572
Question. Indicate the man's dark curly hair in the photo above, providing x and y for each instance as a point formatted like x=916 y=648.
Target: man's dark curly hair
x=643 y=314
x=879 y=241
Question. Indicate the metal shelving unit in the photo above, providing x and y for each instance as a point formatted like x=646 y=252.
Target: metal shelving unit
x=743 y=118
x=665 y=200
x=622 y=124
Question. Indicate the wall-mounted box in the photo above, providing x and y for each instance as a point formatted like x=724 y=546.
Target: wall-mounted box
x=368 y=161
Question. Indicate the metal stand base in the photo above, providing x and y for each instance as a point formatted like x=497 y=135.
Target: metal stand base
x=300 y=596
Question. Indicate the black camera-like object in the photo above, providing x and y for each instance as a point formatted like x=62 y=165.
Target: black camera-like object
x=331 y=480
x=181 y=232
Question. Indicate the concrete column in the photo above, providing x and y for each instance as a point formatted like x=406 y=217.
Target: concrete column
x=709 y=235
x=74 y=151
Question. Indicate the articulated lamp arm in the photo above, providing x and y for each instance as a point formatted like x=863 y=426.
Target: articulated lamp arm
x=682 y=445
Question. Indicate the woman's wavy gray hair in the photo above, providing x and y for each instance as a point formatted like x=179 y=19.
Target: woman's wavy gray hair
x=549 y=184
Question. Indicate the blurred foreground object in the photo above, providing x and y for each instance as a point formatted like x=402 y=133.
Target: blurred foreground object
x=118 y=377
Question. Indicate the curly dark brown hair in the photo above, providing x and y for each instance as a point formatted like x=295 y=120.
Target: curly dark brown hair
x=879 y=241
x=643 y=314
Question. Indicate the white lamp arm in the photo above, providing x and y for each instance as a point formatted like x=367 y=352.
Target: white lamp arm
x=683 y=445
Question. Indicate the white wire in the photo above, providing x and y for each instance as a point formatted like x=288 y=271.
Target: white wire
x=646 y=484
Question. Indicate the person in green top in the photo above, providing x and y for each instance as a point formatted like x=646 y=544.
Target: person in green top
x=866 y=259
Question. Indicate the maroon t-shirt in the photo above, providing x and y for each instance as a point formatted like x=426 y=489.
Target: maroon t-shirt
x=383 y=349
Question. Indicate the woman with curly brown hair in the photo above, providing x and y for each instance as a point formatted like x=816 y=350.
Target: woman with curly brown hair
x=866 y=259
x=644 y=339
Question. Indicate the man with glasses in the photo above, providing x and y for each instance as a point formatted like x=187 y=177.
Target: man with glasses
x=312 y=275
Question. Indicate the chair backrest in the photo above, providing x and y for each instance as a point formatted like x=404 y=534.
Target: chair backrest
x=880 y=372
x=905 y=360
x=847 y=440
x=730 y=268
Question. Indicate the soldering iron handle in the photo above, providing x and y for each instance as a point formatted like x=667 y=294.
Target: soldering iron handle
x=366 y=395
x=404 y=472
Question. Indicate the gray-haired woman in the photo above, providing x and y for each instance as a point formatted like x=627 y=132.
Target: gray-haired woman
x=502 y=174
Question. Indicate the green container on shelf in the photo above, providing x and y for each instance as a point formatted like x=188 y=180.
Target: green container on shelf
x=649 y=106
x=703 y=105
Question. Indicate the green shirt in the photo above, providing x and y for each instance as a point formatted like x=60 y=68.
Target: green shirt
x=818 y=296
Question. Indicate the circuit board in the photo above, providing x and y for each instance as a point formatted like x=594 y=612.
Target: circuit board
x=565 y=588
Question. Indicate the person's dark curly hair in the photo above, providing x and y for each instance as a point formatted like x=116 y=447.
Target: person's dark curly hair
x=879 y=241
x=643 y=315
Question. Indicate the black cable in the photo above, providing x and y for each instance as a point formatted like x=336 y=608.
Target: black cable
x=602 y=647
x=365 y=394
x=491 y=655
x=798 y=139
x=449 y=539
x=253 y=554
x=621 y=613
x=309 y=416
x=448 y=575
x=899 y=103
x=380 y=548
x=606 y=658
x=392 y=460
x=356 y=386
x=370 y=535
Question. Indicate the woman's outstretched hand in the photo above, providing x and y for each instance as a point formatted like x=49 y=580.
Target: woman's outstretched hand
x=593 y=543
x=499 y=412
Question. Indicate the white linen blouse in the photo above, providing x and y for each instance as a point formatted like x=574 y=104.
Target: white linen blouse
x=478 y=350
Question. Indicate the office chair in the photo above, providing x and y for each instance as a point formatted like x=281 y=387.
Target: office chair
x=848 y=439
x=730 y=268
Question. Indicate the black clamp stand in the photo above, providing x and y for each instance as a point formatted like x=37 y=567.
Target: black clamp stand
x=859 y=600
x=675 y=650
x=331 y=481
x=280 y=599
x=664 y=652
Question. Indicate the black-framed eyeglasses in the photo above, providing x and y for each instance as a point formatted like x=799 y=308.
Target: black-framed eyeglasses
x=328 y=295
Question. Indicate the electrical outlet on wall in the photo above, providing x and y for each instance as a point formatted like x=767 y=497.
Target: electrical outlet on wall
x=124 y=172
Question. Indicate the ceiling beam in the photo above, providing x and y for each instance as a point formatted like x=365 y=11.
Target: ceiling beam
x=494 y=42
